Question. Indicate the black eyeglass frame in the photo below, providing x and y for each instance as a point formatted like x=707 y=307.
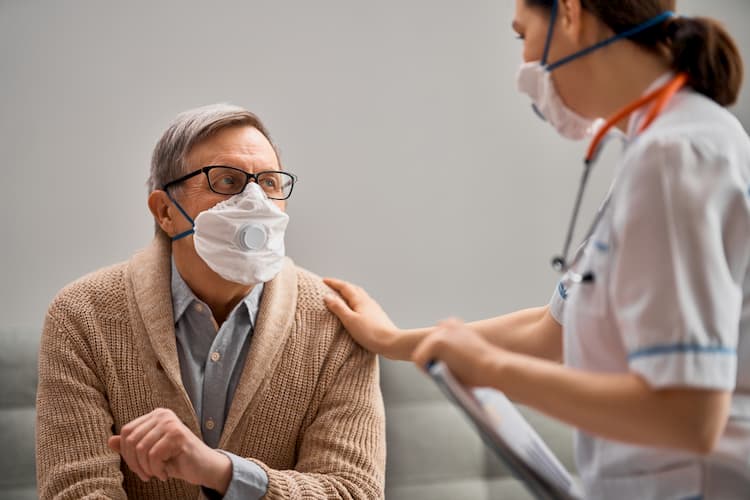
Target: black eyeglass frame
x=248 y=176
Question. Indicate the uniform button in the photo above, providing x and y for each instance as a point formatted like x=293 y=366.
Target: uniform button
x=210 y=424
x=199 y=308
x=215 y=356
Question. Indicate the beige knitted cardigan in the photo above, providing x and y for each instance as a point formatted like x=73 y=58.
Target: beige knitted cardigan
x=307 y=409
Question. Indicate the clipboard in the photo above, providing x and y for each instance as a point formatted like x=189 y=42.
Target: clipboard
x=505 y=431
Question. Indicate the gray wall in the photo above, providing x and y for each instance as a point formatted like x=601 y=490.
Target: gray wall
x=424 y=176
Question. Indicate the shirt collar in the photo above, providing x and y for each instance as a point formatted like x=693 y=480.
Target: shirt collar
x=639 y=114
x=183 y=297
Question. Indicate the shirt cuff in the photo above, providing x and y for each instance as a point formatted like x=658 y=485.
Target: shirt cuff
x=249 y=481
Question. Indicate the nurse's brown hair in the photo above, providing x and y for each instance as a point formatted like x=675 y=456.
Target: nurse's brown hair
x=698 y=46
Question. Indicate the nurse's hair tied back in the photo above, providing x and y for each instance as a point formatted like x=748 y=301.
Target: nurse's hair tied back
x=703 y=49
x=698 y=46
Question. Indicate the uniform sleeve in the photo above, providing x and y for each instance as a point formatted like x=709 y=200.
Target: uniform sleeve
x=342 y=453
x=557 y=302
x=73 y=423
x=680 y=227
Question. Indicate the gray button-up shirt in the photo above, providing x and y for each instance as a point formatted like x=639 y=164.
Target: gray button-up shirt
x=211 y=361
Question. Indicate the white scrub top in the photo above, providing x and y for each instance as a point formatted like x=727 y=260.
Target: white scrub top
x=671 y=296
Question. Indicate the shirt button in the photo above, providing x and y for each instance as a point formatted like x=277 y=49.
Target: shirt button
x=215 y=356
x=198 y=308
x=210 y=424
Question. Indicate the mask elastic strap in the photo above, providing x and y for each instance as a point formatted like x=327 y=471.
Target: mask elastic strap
x=550 y=32
x=625 y=34
x=182 y=211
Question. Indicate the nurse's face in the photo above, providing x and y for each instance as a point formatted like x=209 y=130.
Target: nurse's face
x=572 y=80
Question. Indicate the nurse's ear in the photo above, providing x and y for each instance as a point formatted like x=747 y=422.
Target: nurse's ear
x=571 y=20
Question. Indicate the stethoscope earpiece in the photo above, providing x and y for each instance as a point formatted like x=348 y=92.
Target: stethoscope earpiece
x=558 y=263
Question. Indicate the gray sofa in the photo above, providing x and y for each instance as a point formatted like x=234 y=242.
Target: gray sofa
x=433 y=452
x=18 y=373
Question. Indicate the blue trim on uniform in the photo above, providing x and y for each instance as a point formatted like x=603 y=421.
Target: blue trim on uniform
x=562 y=291
x=681 y=349
x=601 y=246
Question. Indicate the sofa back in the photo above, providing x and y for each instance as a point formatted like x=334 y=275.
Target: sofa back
x=18 y=372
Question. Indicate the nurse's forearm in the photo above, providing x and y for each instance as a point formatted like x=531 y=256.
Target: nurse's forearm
x=533 y=332
x=620 y=407
x=530 y=331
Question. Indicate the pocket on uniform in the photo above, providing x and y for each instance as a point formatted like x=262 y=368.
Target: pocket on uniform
x=591 y=297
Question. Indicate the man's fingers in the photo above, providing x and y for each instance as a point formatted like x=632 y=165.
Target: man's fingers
x=143 y=451
x=131 y=436
x=114 y=443
x=161 y=454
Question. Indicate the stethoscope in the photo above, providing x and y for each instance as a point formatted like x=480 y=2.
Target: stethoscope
x=658 y=99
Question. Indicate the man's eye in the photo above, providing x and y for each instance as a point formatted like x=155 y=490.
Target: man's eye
x=269 y=183
x=227 y=180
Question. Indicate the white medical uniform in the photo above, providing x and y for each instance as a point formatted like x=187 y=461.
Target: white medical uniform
x=671 y=296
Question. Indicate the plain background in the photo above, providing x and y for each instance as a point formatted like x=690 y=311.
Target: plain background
x=424 y=176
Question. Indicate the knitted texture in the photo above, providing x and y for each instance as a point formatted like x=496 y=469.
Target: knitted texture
x=307 y=408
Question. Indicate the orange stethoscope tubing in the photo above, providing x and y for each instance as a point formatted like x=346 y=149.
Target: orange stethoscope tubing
x=658 y=99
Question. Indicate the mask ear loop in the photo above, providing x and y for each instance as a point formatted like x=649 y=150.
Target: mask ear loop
x=182 y=211
x=550 y=32
x=619 y=36
x=545 y=54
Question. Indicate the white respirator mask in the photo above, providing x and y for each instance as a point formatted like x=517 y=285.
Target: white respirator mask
x=242 y=238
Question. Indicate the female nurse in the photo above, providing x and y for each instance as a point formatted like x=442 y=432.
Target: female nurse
x=645 y=344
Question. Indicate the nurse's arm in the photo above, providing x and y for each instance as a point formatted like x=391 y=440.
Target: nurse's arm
x=621 y=407
x=531 y=331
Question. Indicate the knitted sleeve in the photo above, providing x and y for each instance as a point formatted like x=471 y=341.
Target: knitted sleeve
x=73 y=422
x=342 y=452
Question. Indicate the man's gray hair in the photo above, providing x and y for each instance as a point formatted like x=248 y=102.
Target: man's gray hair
x=187 y=130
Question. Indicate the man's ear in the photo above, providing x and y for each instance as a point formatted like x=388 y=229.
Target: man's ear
x=570 y=15
x=161 y=208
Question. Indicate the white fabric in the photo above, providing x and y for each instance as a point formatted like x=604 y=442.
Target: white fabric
x=671 y=296
x=229 y=237
x=535 y=81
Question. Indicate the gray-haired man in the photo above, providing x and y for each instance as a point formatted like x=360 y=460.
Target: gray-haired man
x=209 y=359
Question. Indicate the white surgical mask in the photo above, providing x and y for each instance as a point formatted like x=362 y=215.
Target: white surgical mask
x=536 y=81
x=242 y=238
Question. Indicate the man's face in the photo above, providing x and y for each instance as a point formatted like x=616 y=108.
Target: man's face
x=242 y=147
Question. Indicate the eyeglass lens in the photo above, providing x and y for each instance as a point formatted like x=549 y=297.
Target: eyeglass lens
x=226 y=180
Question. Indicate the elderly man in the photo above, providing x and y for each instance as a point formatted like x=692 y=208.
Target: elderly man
x=208 y=363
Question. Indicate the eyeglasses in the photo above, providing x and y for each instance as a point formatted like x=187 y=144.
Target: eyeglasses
x=276 y=184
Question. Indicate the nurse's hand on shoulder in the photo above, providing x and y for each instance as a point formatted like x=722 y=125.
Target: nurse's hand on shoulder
x=362 y=317
x=470 y=357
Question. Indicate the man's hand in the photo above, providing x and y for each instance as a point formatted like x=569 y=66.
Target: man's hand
x=159 y=445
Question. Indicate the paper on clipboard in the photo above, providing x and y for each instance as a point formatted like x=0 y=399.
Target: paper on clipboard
x=507 y=432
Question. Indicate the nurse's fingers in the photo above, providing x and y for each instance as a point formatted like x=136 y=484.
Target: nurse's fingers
x=338 y=307
x=429 y=350
x=352 y=294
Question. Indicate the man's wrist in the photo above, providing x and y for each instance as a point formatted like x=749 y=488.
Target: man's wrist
x=218 y=472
